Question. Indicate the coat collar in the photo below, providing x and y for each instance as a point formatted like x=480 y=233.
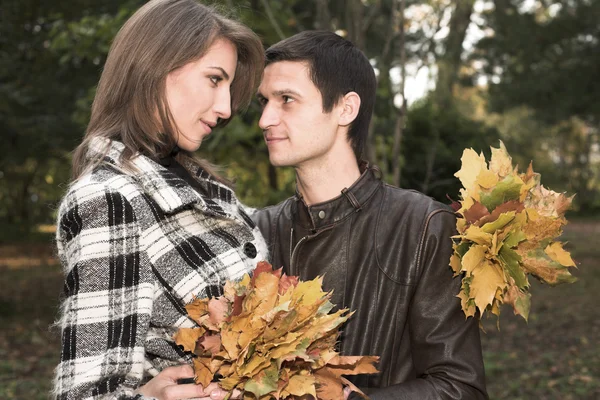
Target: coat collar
x=350 y=201
x=170 y=192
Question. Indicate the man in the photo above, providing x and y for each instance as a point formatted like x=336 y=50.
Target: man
x=383 y=251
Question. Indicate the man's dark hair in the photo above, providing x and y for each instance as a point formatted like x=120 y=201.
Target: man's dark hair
x=336 y=67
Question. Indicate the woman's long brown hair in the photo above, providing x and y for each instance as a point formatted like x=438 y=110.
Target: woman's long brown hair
x=130 y=105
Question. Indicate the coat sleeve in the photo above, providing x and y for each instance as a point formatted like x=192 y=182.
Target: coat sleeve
x=107 y=296
x=446 y=347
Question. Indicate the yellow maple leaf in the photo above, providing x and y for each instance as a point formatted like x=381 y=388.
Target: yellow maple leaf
x=467 y=201
x=203 y=374
x=197 y=309
x=300 y=385
x=352 y=365
x=308 y=292
x=329 y=386
x=477 y=235
x=487 y=279
x=187 y=337
x=472 y=165
x=455 y=263
x=473 y=258
x=467 y=306
x=255 y=364
x=486 y=179
x=556 y=252
x=501 y=161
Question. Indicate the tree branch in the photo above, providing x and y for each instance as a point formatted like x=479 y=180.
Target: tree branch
x=272 y=19
x=373 y=12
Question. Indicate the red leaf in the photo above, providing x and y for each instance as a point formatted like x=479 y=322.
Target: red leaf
x=264 y=266
x=512 y=205
x=476 y=212
x=286 y=282
x=237 y=305
x=211 y=343
x=218 y=310
x=453 y=203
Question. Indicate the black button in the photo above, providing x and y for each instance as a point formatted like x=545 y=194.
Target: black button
x=250 y=250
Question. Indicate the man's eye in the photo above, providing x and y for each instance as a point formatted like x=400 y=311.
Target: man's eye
x=287 y=99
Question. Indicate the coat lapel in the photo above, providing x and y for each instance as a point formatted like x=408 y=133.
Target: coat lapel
x=170 y=192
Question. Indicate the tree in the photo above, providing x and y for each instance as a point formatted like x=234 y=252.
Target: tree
x=547 y=58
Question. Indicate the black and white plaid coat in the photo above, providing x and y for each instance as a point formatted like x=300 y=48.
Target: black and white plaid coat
x=135 y=248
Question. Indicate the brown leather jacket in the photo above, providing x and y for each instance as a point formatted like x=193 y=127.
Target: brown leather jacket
x=384 y=252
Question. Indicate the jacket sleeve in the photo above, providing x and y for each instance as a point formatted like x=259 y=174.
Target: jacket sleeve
x=446 y=347
x=265 y=219
x=107 y=297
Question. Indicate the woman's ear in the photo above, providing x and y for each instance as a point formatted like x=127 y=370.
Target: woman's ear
x=350 y=105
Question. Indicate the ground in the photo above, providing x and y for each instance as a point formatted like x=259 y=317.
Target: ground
x=556 y=355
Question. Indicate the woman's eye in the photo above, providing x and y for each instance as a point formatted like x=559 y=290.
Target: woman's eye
x=216 y=79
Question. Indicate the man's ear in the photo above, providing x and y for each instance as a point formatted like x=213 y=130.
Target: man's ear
x=350 y=105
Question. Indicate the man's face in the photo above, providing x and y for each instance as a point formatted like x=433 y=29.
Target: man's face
x=297 y=131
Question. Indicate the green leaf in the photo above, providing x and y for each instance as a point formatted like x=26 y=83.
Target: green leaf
x=514 y=238
x=264 y=382
x=501 y=222
x=507 y=189
x=511 y=260
x=523 y=305
x=462 y=248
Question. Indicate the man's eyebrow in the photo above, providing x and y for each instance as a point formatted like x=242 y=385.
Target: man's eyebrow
x=278 y=93
x=286 y=92
x=225 y=74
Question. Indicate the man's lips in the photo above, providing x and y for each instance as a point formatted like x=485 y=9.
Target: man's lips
x=274 y=139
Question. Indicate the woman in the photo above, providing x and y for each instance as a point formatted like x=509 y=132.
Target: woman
x=145 y=227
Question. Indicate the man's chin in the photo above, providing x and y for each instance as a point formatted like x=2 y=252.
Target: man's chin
x=278 y=163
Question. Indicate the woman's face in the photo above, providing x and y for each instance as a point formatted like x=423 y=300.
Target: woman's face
x=198 y=94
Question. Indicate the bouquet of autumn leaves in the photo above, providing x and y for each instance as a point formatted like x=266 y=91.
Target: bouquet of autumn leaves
x=507 y=226
x=272 y=337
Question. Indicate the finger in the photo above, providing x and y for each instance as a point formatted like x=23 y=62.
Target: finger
x=347 y=392
x=219 y=394
x=178 y=372
x=188 y=391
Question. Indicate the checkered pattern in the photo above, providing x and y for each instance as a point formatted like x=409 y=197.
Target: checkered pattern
x=136 y=247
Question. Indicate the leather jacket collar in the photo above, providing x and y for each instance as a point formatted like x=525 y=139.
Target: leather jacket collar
x=323 y=215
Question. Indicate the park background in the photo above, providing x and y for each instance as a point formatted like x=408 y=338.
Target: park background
x=451 y=74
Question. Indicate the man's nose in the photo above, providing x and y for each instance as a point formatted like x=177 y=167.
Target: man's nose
x=268 y=118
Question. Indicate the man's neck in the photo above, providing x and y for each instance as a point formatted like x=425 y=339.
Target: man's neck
x=324 y=181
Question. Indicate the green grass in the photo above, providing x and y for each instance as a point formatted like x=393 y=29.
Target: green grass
x=556 y=355
x=29 y=349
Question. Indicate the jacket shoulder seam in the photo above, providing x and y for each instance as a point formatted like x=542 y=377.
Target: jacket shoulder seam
x=421 y=246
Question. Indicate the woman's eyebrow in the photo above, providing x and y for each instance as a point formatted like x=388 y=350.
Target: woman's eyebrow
x=225 y=74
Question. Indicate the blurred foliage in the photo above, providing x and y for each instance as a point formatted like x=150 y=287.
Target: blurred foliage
x=540 y=61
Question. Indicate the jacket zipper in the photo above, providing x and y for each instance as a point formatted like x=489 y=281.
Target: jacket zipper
x=293 y=252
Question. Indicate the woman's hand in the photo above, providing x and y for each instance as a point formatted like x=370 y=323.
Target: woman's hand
x=164 y=386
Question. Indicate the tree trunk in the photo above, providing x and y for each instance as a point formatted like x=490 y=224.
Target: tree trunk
x=448 y=71
x=449 y=64
x=401 y=114
x=323 y=20
x=354 y=16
